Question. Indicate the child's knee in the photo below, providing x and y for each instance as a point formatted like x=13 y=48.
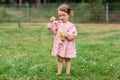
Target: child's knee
x=67 y=59
x=60 y=59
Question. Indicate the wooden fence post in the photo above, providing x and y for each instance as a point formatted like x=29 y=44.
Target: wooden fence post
x=107 y=13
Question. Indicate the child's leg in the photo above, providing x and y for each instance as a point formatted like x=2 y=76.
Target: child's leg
x=60 y=64
x=68 y=65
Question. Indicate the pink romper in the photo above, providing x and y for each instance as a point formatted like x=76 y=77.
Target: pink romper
x=66 y=48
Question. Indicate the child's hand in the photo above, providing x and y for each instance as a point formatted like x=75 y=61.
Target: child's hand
x=52 y=19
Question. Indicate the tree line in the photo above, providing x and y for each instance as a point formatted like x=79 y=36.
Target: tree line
x=53 y=1
x=41 y=2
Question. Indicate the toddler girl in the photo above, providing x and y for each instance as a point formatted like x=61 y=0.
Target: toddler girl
x=64 y=37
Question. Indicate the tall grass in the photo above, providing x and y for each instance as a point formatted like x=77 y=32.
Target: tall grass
x=25 y=53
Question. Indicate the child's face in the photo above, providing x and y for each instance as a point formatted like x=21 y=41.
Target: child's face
x=63 y=16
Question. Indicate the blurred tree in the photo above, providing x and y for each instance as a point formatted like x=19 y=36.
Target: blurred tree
x=90 y=1
x=111 y=1
x=96 y=9
x=39 y=3
x=83 y=1
x=54 y=1
x=20 y=3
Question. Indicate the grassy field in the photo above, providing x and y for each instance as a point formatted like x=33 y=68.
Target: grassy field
x=25 y=53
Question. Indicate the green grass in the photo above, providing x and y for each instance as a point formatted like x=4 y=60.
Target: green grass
x=25 y=53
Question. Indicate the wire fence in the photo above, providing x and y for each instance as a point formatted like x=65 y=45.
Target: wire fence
x=83 y=13
x=114 y=12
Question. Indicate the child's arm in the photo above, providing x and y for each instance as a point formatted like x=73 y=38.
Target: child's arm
x=52 y=26
x=71 y=33
x=52 y=19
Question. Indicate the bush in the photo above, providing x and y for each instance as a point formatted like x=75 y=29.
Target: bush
x=82 y=13
x=97 y=12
